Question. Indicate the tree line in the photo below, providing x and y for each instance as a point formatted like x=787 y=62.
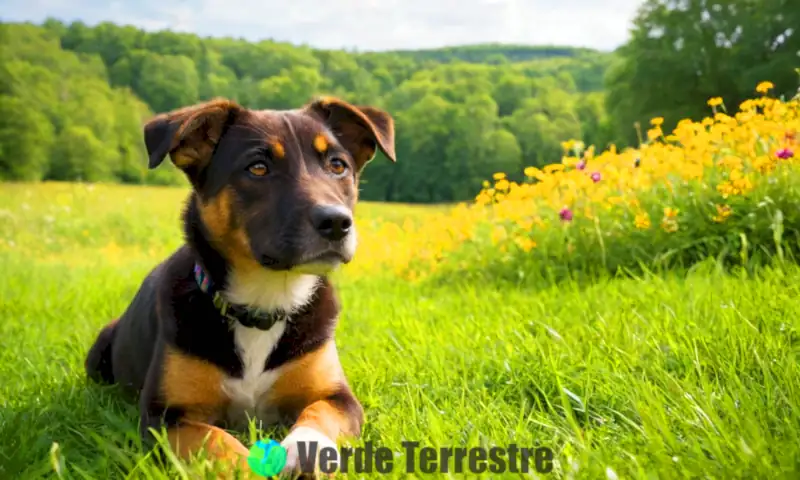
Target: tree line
x=73 y=98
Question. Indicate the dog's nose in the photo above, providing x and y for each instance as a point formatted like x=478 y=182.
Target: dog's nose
x=331 y=221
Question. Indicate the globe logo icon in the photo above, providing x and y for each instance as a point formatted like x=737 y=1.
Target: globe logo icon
x=267 y=458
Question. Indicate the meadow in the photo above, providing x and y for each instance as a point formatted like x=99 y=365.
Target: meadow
x=634 y=311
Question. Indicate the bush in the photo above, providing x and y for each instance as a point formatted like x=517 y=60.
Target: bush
x=724 y=187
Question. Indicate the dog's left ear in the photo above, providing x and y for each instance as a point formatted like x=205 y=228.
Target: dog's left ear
x=360 y=129
x=189 y=134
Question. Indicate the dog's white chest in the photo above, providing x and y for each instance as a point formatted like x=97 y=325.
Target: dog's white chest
x=253 y=347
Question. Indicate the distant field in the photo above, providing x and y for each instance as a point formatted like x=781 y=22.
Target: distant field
x=655 y=377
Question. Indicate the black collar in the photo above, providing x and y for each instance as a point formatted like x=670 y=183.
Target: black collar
x=248 y=317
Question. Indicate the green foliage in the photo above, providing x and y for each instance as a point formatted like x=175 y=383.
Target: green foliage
x=26 y=137
x=60 y=118
x=462 y=113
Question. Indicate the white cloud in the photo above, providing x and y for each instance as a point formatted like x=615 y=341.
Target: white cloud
x=363 y=24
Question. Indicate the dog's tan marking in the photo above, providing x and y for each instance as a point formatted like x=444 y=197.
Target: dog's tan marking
x=189 y=437
x=238 y=252
x=216 y=214
x=321 y=143
x=324 y=417
x=220 y=218
x=277 y=149
x=302 y=389
x=192 y=384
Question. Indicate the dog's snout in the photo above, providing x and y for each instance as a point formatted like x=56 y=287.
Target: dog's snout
x=332 y=221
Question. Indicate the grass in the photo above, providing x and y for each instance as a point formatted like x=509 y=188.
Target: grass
x=671 y=376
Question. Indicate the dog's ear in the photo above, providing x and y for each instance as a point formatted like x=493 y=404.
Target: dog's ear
x=360 y=129
x=189 y=134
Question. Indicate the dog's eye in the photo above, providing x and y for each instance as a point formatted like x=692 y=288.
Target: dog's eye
x=338 y=167
x=259 y=169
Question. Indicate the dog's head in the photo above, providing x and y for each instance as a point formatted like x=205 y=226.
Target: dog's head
x=275 y=190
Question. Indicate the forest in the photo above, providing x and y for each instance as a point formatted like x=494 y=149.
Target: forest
x=73 y=97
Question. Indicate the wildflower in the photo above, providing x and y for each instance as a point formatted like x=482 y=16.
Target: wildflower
x=657 y=122
x=499 y=176
x=723 y=212
x=764 y=87
x=530 y=171
x=526 y=244
x=554 y=167
x=596 y=177
x=642 y=221
x=581 y=165
x=565 y=214
x=784 y=153
x=715 y=101
x=502 y=184
x=670 y=212
x=669 y=225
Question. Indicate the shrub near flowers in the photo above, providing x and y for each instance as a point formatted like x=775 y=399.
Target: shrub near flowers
x=724 y=187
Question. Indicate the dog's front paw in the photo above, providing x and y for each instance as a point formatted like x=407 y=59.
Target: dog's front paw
x=303 y=447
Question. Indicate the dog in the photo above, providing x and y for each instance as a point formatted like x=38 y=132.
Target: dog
x=239 y=321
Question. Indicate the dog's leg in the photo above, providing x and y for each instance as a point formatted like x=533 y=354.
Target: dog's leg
x=182 y=393
x=315 y=389
x=188 y=437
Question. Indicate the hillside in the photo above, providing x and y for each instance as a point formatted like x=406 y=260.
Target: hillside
x=88 y=90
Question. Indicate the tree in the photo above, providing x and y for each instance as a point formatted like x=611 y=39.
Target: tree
x=166 y=82
x=26 y=137
x=80 y=156
x=290 y=89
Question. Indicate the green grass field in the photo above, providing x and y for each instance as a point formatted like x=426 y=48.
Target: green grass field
x=678 y=376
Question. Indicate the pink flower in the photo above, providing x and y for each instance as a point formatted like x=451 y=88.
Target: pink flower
x=581 y=165
x=784 y=153
x=596 y=177
x=565 y=214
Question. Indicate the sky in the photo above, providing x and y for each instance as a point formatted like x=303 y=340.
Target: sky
x=359 y=24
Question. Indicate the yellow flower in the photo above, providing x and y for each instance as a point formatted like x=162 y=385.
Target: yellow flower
x=554 y=167
x=726 y=189
x=642 y=221
x=670 y=212
x=502 y=184
x=499 y=176
x=530 y=171
x=657 y=121
x=669 y=225
x=723 y=212
x=653 y=133
x=526 y=244
x=715 y=101
x=764 y=87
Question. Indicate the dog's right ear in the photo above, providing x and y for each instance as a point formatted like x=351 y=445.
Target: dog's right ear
x=189 y=135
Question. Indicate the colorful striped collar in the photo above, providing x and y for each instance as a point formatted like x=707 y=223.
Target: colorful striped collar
x=246 y=316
